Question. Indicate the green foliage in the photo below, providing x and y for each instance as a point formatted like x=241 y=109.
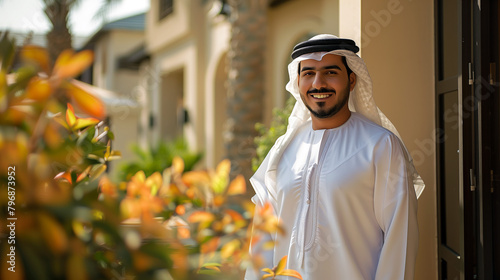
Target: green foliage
x=68 y=220
x=157 y=159
x=267 y=137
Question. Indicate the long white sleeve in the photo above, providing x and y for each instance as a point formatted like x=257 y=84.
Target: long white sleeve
x=396 y=212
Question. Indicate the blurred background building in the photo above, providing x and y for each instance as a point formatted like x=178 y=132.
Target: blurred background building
x=114 y=69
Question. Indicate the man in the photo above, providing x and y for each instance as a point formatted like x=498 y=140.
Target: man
x=340 y=180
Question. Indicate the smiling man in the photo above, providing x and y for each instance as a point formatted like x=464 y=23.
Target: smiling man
x=324 y=88
x=340 y=179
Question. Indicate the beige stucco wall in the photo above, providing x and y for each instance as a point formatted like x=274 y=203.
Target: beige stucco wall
x=169 y=30
x=175 y=46
x=215 y=48
x=182 y=59
x=122 y=42
x=124 y=124
x=100 y=67
x=194 y=41
x=397 y=38
x=108 y=48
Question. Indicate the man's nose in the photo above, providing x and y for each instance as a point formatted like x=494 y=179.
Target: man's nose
x=319 y=81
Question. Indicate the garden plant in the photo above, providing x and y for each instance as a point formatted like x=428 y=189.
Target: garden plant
x=62 y=216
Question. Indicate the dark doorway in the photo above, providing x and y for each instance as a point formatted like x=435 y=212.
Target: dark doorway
x=486 y=89
x=468 y=152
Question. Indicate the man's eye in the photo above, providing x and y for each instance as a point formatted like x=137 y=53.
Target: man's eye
x=331 y=72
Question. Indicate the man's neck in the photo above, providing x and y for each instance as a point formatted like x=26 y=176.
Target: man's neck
x=335 y=121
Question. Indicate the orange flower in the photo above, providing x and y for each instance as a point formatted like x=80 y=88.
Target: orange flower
x=107 y=187
x=141 y=200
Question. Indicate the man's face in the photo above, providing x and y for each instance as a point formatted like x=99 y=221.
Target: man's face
x=324 y=85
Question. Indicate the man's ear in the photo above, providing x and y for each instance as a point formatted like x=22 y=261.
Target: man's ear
x=352 y=81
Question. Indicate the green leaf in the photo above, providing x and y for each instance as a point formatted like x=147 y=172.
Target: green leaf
x=30 y=256
x=111 y=135
x=159 y=251
x=22 y=76
x=97 y=170
x=7 y=51
x=82 y=138
x=3 y=90
x=208 y=272
x=211 y=264
x=158 y=158
x=219 y=184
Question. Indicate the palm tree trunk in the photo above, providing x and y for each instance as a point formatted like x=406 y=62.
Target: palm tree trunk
x=245 y=81
x=59 y=37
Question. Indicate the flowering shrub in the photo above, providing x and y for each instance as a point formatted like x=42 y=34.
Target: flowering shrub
x=51 y=159
x=67 y=220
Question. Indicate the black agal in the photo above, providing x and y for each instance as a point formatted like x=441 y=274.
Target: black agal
x=324 y=45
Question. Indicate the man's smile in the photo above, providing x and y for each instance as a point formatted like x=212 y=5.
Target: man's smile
x=322 y=93
x=321 y=96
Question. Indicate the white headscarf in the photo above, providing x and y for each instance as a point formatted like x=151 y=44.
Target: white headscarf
x=360 y=101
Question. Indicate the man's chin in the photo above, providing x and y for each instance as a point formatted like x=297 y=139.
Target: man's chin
x=324 y=114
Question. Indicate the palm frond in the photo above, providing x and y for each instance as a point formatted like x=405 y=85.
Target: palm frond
x=104 y=9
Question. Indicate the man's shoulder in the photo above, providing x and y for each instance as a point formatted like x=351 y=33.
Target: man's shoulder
x=369 y=129
x=379 y=138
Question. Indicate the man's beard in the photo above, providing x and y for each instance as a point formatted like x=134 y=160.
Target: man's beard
x=324 y=113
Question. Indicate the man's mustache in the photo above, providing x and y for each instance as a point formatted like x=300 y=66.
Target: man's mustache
x=321 y=90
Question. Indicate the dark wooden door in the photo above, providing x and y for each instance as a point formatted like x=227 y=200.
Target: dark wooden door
x=455 y=146
x=486 y=51
x=468 y=149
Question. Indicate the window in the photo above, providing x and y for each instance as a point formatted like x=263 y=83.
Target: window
x=166 y=7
